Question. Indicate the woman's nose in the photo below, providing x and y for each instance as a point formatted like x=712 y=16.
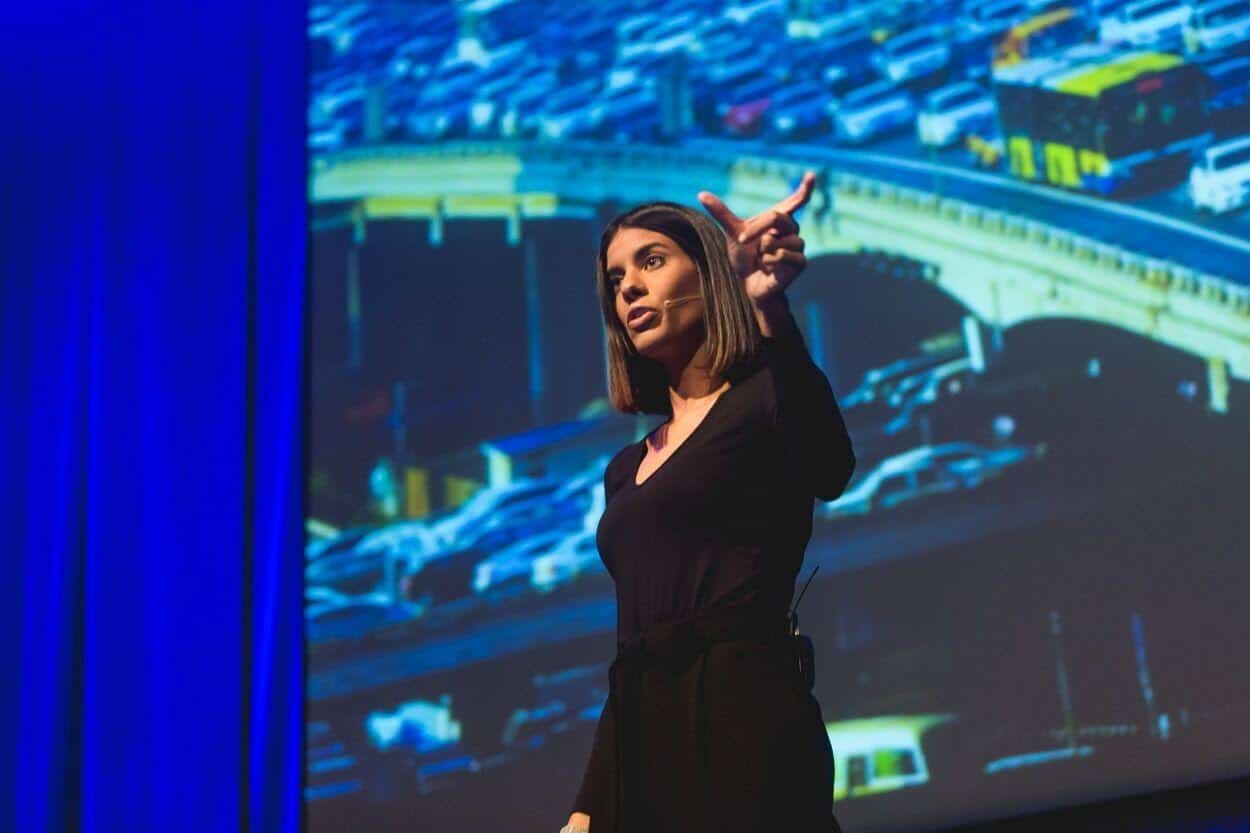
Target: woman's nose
x=631 y=288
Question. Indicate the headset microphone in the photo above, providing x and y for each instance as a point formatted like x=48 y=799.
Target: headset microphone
x=672 y=302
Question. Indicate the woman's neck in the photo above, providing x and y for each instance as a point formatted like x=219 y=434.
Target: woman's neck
x=692 y=386
x=693 y=397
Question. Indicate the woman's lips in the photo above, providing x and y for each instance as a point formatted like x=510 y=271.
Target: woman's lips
x=639 y=322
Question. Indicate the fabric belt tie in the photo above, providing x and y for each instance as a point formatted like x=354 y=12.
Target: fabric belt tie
x=672 y=643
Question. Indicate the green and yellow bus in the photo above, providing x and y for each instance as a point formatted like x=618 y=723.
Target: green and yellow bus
x=1096 y=118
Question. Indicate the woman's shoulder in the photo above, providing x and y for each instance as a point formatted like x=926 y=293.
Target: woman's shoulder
x=752 y=381
x=620 y=456
x=617 y=468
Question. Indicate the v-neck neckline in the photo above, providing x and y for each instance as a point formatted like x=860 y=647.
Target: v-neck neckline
x=633 y=477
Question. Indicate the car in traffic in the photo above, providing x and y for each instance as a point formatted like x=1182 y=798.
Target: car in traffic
x=488 y=100
x=567 y=35
x=314 y=595
x=923 y=390
x=663 y=35
x=974 y=464
x=992 y=17
x=582 y=494
x=513 y=565
x=1217 y=24
x=867 y=409
x=574 y=556
x=717 y=86
x=925 y=471
x=713 y=34
x=449 y=574
x=446 y=98
x=530 y=727
x=631 y=33
x=741 y=108
x=1147 y=23
x=415 y=59
x=1228 y=98
x=899 y=478
x=406 y=539
x=972 y=54
x=631 y=113
x=1096 y=11
x=799 y=109
x=398 y=550
x=329 y=101
x=569 y=112
x=479 y=511
x=518 y=114
x=353 y=572
x=756 y=12
x=926 y=385
x=871 y=111
x=442 y=107
x=327 y=20
x=841 y=51
x=419 y=726
x=1220 y=180
x=950 y=113
x=913 y=54
x=878 y=382
x=339 y=542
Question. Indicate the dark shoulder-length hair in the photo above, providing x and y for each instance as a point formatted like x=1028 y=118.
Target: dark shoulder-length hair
x=637 y=384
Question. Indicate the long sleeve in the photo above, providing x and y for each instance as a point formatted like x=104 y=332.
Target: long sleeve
x=806 y=414
x=591 y=794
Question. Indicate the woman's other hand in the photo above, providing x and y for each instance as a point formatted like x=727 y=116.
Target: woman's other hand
x=766 y=250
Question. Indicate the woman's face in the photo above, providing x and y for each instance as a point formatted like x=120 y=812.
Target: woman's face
x=645 y=268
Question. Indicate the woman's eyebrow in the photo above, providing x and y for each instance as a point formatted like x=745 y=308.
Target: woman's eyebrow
x=642 y=250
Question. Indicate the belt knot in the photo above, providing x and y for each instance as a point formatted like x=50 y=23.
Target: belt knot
x=664 y=642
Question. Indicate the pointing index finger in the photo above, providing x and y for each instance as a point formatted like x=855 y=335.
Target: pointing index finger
x=801 y=194
x=759 y=223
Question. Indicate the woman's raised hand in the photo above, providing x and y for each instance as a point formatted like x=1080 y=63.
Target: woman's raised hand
x=766 y=249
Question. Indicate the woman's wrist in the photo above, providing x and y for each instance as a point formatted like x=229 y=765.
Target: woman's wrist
x=772 y=314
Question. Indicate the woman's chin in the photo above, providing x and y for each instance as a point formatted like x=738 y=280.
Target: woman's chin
x=646 y=340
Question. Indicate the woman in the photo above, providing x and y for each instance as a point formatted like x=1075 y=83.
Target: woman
x=709 y=723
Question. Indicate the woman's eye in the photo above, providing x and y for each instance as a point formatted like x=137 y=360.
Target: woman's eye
x=655 y=257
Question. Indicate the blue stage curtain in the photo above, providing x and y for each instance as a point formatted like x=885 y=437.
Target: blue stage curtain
x=152 y=303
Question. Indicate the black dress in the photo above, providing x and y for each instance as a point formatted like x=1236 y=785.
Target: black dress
x=724 y=735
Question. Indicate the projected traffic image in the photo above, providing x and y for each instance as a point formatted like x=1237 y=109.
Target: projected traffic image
x=1026 y=283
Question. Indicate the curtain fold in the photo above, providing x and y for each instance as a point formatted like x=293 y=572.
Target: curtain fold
x=152 y=307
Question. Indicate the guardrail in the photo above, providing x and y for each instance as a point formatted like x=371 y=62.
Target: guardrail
x=580 y=156
x=1213 y=311
x=1157 y=272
